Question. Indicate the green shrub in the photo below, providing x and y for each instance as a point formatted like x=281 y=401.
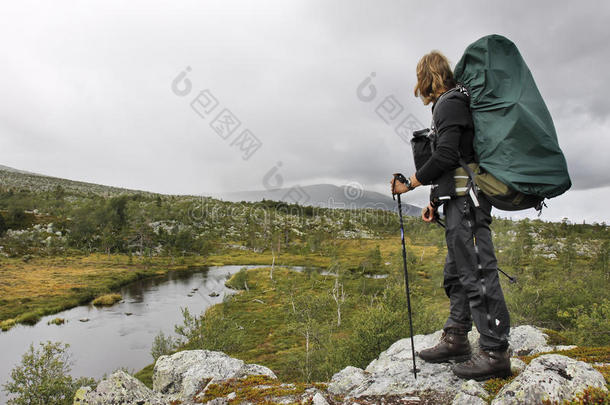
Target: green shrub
x=385 y=321
x=162 y=345
x=43 y=377
x=592 y=324
x=239 y=280
x=212 y=331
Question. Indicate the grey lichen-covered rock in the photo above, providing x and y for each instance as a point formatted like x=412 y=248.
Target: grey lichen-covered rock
x=548 y=348
x=551 y=377
x=254 y=369
x=473 y=388
x=526 y=338
x=392 y=373
x=347 y=380
x=464 y=399
x=184 y=374
x=119 y=389
x=319 y=399
x=471 y=392
x=517 y=365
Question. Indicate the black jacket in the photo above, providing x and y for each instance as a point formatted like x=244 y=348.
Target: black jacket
x=453 y=122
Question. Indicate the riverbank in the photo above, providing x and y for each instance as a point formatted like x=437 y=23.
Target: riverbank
x=307 y=325
x=34 y=287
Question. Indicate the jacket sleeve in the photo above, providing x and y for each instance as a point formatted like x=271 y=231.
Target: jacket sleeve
x=451 y=118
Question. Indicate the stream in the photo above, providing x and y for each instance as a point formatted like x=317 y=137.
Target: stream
x=121 y=336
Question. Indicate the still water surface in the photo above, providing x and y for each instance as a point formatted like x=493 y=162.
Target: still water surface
x=112 y=338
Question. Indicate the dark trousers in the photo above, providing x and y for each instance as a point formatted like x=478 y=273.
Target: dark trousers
x=471 y=276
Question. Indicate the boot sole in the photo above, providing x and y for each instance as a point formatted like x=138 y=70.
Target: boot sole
x=457 y=359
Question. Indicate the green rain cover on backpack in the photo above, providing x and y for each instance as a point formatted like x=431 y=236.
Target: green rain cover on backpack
x=515 y=138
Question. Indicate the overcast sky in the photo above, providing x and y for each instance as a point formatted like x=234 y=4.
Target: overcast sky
x=90 y=90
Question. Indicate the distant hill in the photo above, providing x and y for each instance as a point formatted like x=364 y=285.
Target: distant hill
x=324 y=196
x=319 y=195
x=13 y=170
x=11 y=178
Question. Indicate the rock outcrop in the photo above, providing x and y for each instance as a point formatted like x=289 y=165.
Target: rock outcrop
x=177 y=378
x=391 y=373
x=550 y=377
x=185 y=377
x=185 y=374
x=120 y=388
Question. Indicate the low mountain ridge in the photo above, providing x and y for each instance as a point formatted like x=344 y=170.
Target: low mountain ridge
x=11 y=178
x=318 y=195
x=324 y=196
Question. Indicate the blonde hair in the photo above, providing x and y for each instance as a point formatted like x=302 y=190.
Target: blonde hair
x=434 y=77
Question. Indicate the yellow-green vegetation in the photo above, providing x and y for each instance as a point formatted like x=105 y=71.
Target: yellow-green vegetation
x=107 y=300
x=307 y=326
x=290 y=323
x=586 y=354
x=590 y=396
x=145 y=375
x=46 y=285
x=494 y=385
x=7 y=324
x=56 y=321
x=256 y=389
x=65 y=243
x=556 y=338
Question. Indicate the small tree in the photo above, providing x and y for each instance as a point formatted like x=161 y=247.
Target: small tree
x=43 y=377
x=338 y=295
x=304 y=323
x=191 y=330
x=2 y=225
x=162 y=345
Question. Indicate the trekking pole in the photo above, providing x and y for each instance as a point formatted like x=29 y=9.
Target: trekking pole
x=511 y=279
x=400 y=178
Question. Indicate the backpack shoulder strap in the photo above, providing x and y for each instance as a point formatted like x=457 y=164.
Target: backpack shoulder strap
x=459 y=88
x=471 y=186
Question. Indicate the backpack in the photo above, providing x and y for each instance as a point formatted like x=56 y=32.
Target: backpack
x=519 y=159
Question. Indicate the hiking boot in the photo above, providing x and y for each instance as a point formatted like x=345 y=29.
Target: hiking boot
x=484 y=365
x=454 y=345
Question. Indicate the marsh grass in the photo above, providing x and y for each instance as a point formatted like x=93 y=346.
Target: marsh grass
x=47 y=285
x=107 y=300
x=56 y=321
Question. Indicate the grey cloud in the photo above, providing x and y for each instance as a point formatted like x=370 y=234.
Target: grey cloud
x=87 y=89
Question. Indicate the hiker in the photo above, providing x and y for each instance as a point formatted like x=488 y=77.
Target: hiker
x=470 y=274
